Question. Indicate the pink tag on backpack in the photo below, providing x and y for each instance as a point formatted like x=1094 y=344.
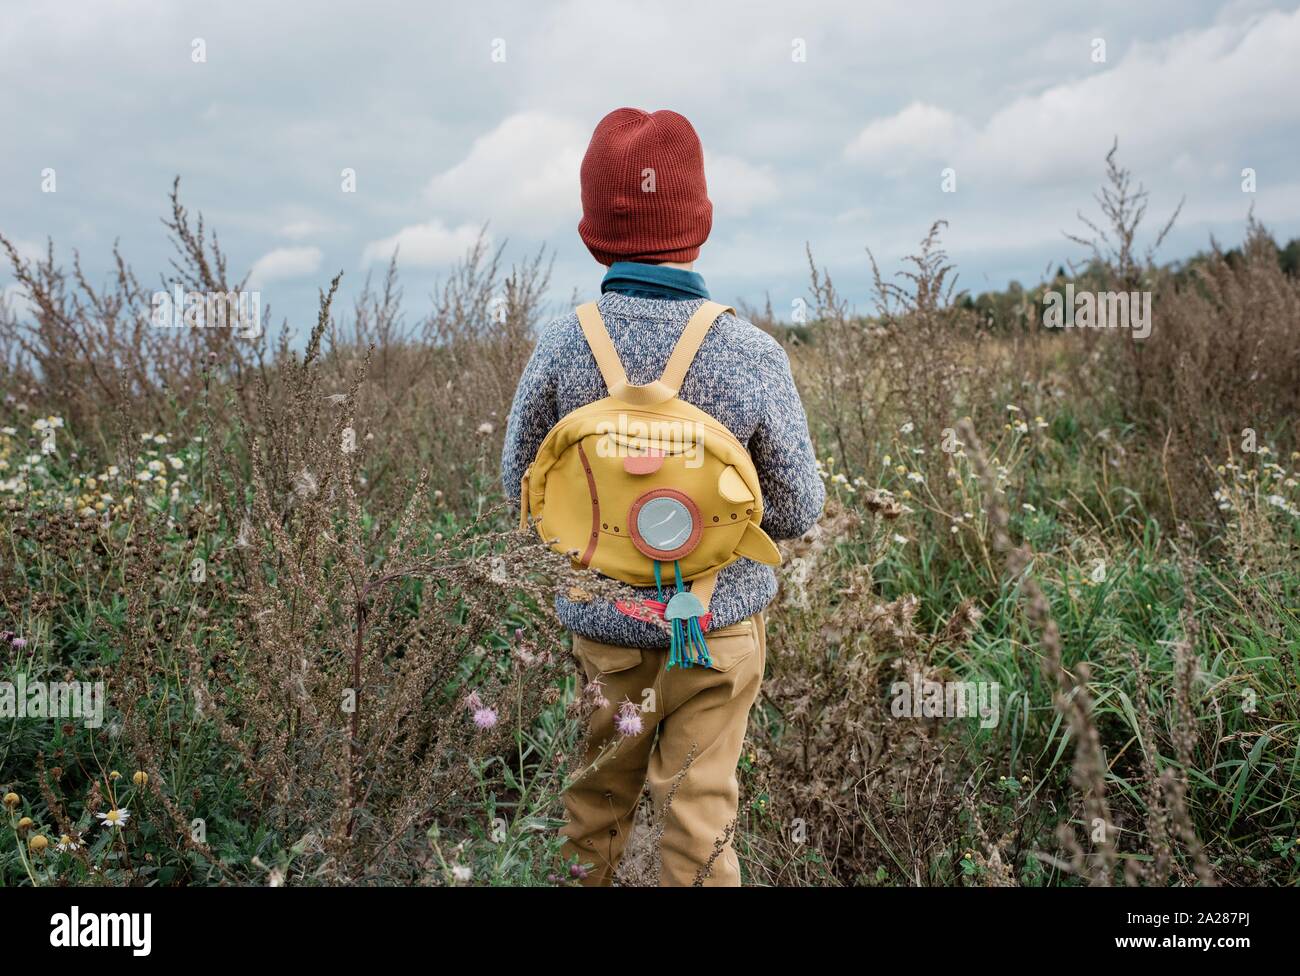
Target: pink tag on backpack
x=647 y=463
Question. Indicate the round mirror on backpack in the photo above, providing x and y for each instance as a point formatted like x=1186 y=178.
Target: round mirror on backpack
x=665 y=524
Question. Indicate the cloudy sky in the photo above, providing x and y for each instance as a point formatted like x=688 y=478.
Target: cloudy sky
x=827 y=124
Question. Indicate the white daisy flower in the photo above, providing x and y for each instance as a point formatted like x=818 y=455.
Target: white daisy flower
x=114 y=818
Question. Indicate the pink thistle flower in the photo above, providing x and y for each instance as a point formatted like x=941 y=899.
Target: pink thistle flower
x=473 y=702
x=578 y=871
x=628 y=720
x=485 y=718
x=18 y=643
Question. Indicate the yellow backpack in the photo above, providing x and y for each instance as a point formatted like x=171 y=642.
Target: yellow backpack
x=641 y=479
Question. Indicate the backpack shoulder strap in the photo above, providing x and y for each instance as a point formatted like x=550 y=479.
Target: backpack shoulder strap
x=611 y=368
x=702 y=587
x=602 y=347
x=689 y=344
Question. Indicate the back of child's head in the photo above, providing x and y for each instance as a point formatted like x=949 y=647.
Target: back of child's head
x=643 y=192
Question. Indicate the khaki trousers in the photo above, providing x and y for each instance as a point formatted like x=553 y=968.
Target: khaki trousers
x=685 y=710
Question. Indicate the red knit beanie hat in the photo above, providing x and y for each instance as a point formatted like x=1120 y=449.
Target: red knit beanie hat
x=643 y=192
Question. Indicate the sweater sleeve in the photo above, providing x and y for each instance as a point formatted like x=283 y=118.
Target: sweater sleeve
x=793 y=493
x=532 y=415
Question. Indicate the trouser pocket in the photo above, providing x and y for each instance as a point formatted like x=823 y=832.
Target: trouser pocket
x=731 y=646
x=598 y=658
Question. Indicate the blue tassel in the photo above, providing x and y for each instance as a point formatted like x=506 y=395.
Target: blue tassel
x=687 y=646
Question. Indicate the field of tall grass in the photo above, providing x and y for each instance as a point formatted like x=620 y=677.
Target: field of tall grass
x=328 y=657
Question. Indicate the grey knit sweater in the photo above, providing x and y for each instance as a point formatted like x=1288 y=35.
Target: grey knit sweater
x=740 y=376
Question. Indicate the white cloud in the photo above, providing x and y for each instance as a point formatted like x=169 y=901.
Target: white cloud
x=307 y=227
x=432 y=244
x=853 y=215
x=919 y=131
x=1213 y=88
x=524 y=173
x=1210 y=89
x=285 y=262
x=737 y=187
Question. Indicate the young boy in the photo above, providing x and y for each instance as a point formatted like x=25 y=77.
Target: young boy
x=645 y=214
